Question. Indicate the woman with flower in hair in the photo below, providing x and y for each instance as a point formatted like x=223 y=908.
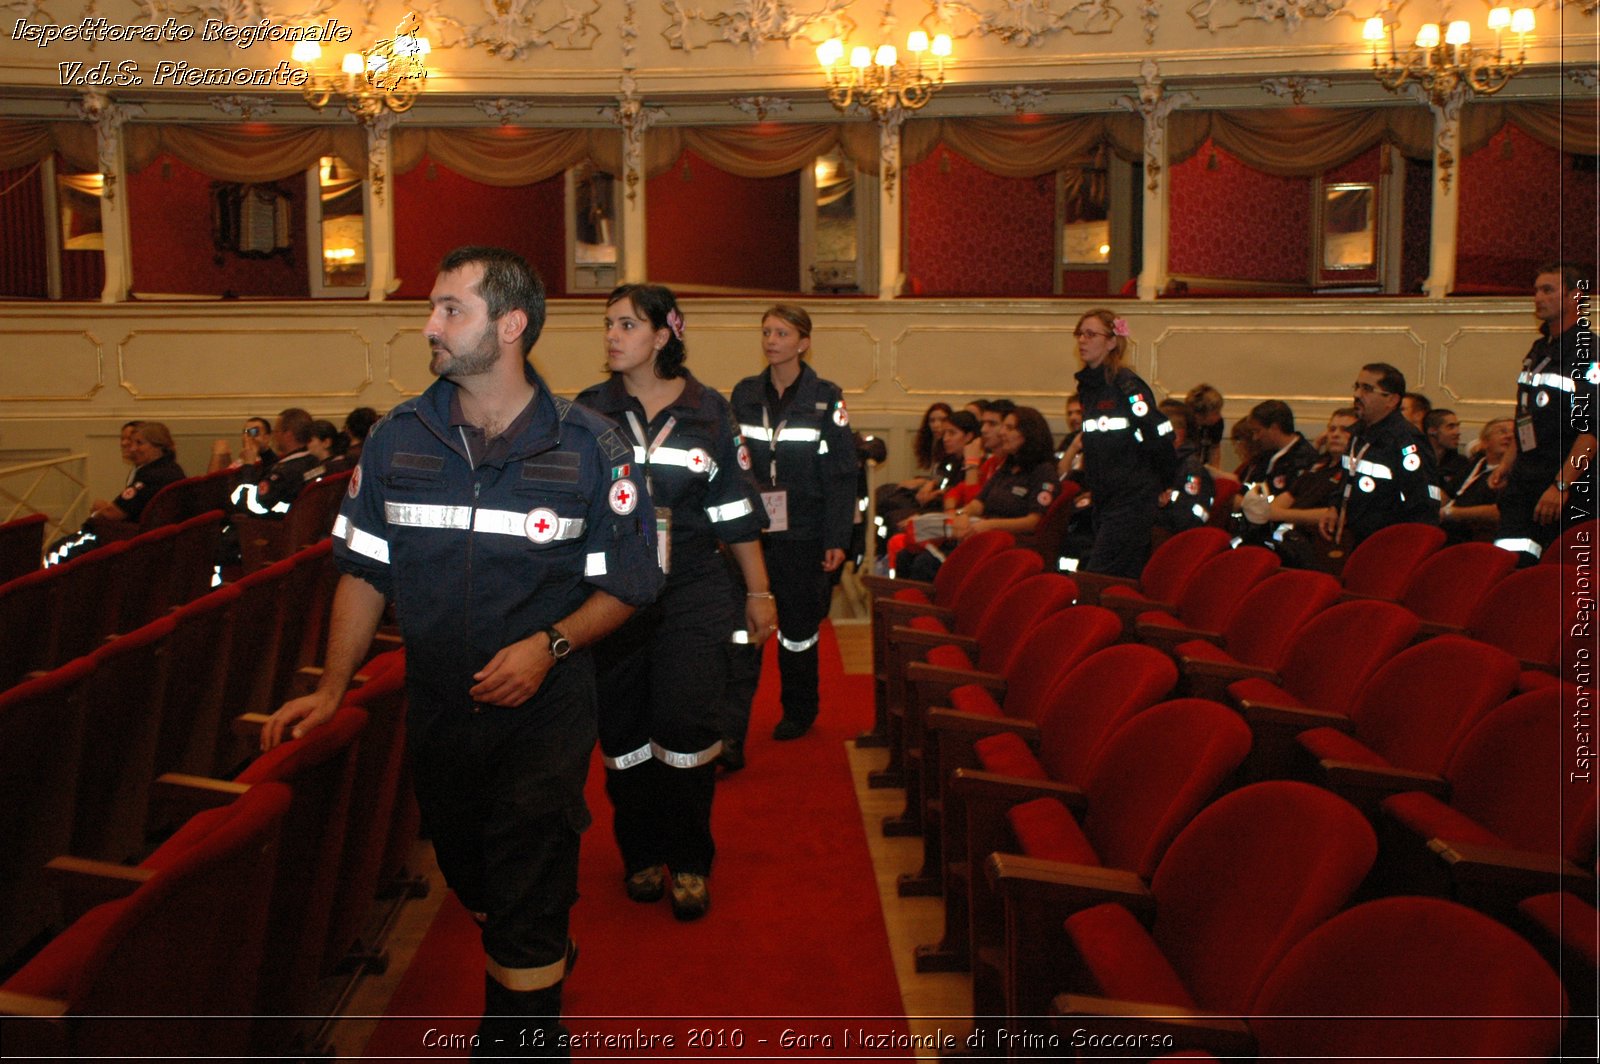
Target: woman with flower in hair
x=1126 y=443
x=662 y=673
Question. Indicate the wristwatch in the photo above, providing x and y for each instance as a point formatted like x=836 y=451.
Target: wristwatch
x=1561 y=486
x=560 y=645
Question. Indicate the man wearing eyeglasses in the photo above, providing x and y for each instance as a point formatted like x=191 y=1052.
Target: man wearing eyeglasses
x=1390 y=478
x=1548 y=478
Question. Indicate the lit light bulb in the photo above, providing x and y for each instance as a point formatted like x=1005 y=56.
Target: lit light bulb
x=887 y=56
x=861 y=57
x=306 y=52
x=1522 y=20
x=917 y=41
x=1372 y=30
x=353 y=63
x=1428 y=36
x=1458 y=33
x=941 y=43
x=830 y=51
x=1500 y=18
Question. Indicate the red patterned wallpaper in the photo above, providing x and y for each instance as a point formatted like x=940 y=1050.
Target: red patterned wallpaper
x=22 y=256
x=704 y=226
x=437 y=210
x=1522 y=204
x=971 y=233
x=1238 y=223
x=170 y=232
x=1416 y=225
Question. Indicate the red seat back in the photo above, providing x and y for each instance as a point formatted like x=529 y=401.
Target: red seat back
x=951 y=578
x=1154 y=773
x=1574 y=546
x=1383 y=562
x=1104 y=690
x=1052 y=650
x=21 y=546
x=1015 y=613
x=1334 y=653
x=1448 y=586
x=1175 y=562
x=1222 y=506
x=201 y=638
x=1246 y=880
x=1218 y=587
x=1519 y=614
x=1437 y=979
x=29 y=616
x=990 y=580
x=1416 y=708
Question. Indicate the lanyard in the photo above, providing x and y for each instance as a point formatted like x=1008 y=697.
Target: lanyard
x=651 y=448
x=1477 y=471
x=772 y=444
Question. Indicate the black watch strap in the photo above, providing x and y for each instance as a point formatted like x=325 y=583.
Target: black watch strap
x=560 y=645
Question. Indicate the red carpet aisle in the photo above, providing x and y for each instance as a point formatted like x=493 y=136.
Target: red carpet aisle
x=794 y=941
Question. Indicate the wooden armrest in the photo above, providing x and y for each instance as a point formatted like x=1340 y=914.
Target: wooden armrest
x=1091 y=584
x=14 y=1004
x=1225 y=672
x=975 y=726
x=976 y=786
x=1067 y=888
x=923 y=674
x=249 y=725
x=1166 y=637
x=34 y=1027
x=916 y=637
x=1300 y=718
x=1147 y=1024
x=388 y=641
x=83 y=883
x=888 y=610
x=1511 y=873
x=1383 y=779
x=187 y=795
x=888 y=585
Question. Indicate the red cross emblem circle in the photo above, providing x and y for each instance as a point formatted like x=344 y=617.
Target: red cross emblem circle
x=699 y=460
x=624 y=497
x=541 y=525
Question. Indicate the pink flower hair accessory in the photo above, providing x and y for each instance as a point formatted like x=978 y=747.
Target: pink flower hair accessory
x=1119 y=326
x=675 y=322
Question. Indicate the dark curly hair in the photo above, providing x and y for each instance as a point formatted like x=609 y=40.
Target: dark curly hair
x=1037 y=443
x=927 y=448
x=657 y=305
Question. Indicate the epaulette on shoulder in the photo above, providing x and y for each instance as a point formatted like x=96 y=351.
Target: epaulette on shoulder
x=563 y=406
x=402 y=408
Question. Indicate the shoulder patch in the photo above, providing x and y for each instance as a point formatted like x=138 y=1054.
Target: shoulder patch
x=562 y=406
x=841 y=415
x=613 y=446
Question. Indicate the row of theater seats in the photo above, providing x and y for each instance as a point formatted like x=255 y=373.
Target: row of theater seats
x=1061 y=790
x=51 y=616
x=267 y=885
x=21 y=546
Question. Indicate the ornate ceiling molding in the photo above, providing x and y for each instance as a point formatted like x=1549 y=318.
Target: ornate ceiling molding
x=513 y=28
x=752 y=23
x=759 y=107
x=1019 y=99
x=248 y=108
x=1296 y=88
x=1025 y=23
x=503 y=110
x=1216 y=15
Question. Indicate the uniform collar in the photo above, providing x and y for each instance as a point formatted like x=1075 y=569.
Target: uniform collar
x=612 y=397
x=542 y=432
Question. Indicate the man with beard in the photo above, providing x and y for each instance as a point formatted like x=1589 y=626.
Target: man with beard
x=1390 y=478
x=507 y=528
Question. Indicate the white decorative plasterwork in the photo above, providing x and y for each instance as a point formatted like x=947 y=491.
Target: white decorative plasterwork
x=248 y=108
x=513 y=28
x=107 y=117
x=378 y=144
x=1225 y=14
x=1446 y=127
x=244 y=12
x=1149 y=17
x=754 y=22
x=633 y=117
x=1154 y=103
x=503 y=110
x=1025 y=23
x=759 y=107
x=1588 y=77
x=1296 y=88
x=1019 y=99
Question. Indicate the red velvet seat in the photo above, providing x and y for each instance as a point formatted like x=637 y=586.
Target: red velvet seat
x=1447 y=586
x=194 y=555
x=28 y=618
x=178 y=502
x=145 y=578
x=1164 y=577
x=1516 y=616
x=201 y=640
x=264 y=540
x=41 y=742
x=1247 y=878
x=171 y=969
x=1410 y=716
x=1566 y=929
x=1575 y=546
x=88 y=604
x=1222 y=505
x=1213 y=595
x=1259 y=633
x=1504 y=802
x=1154 y=773
x=1462 y=986
x=1383 y=563
x=21 y=546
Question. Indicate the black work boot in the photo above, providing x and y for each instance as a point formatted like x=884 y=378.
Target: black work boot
x=521 y=1023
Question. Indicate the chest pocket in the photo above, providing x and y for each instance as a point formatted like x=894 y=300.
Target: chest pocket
x=414 y=474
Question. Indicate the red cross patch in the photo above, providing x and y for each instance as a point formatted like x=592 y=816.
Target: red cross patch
x=541 y=525
x=355 y=482
x=841 y=416
x=744 y=457
x=699 y=460
x=623 y=497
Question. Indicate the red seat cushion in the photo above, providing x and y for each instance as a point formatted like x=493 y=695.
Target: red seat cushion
x=1428 y=818
x=1331 y=744
x=928 y=624
x=1045 y=829
x=1255 y=689
x=1123 y=959
x=1158 y=619
x=1568 y=918
x=971 y=698
x=1123 y=595
x=1007 y=755
x=912 y=594
x=1201 y=650
x=949 y=657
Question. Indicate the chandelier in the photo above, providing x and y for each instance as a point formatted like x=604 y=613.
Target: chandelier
x=878 y=80
x=387 y=76
x=1443 y=65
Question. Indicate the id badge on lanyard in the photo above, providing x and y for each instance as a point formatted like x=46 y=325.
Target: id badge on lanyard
x=663 y=514
x=1526 y=440
x=775 y=501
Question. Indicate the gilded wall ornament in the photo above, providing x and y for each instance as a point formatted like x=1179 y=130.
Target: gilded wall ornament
x=1296 y=88
x=1216 y=15
x=753 y=23
x=513 y=28
x=1025 y=23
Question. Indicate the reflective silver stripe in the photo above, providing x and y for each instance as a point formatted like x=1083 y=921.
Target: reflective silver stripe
x=822 y=448
x=677 y=760
x=675 y=456
x=1105 y=424
x=755 y=432
x=1372 y=469
x=246 y=493
x=1067 y=565
x=629 y=759
x=526 y=979
x=1201 y=512
x=741 y=637
x=1558 y=381
x=1520 y=546
x=363 y=543
x=498 y=522
x=594 y=564
x=1163 y=429
x=1435 y=494
x=730 y=511
x=802 y=435
x=804 y=644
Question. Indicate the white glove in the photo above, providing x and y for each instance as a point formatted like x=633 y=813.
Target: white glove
x=1255 y=506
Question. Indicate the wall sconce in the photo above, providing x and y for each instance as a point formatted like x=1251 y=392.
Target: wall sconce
x=1441 y=64
x=387 y=76
x=878 y=80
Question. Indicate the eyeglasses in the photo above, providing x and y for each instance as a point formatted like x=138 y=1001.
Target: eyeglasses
x=1085 y=334
x=1368 y=389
